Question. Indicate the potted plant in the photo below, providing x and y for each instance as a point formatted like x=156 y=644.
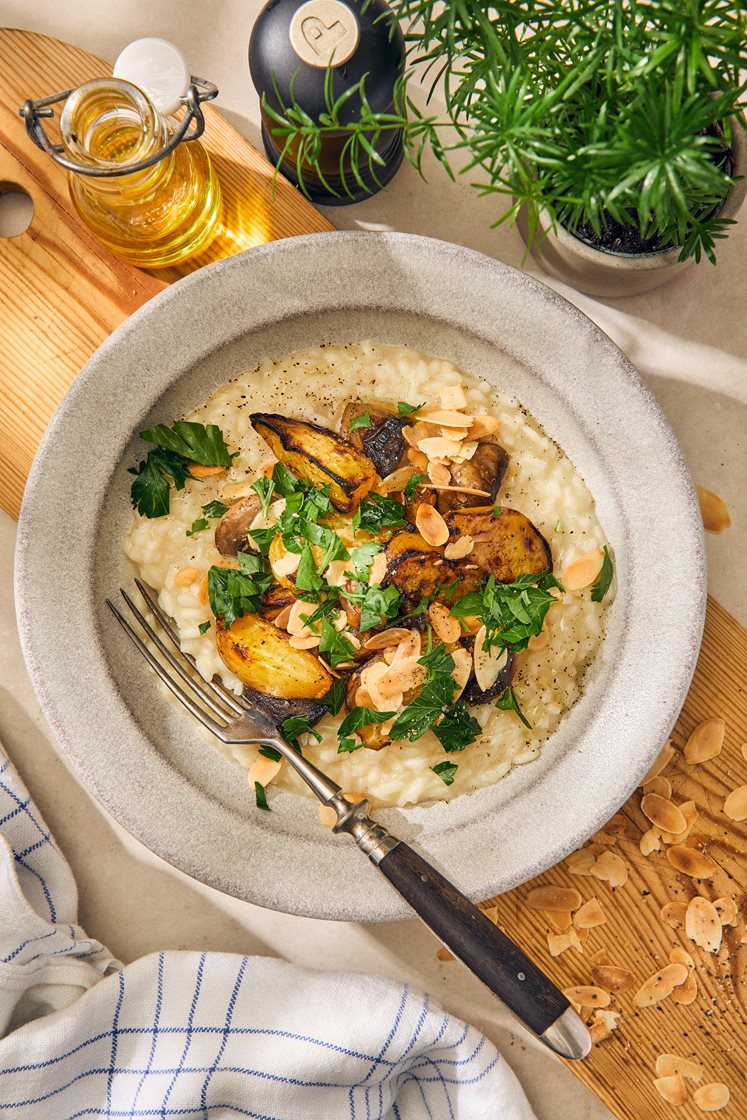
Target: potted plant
x=613 y=126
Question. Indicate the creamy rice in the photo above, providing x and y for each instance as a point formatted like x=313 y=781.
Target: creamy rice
x=540 y=481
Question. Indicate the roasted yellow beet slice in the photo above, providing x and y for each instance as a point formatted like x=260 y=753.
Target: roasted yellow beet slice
x=507 y=545
x=262 y=657
x=415 y=567
x=319 y=456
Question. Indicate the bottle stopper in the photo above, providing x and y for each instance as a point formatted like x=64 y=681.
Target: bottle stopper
x=159 y=69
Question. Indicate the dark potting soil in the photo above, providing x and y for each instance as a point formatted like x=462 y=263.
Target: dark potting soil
x=617 y=238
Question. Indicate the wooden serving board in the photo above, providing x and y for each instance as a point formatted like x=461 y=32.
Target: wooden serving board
x=63 y=293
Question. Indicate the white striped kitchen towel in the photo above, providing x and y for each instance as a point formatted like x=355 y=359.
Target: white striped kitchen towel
x=208 y=1035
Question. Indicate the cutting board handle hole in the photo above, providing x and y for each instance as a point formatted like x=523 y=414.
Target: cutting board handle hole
x=16 y=210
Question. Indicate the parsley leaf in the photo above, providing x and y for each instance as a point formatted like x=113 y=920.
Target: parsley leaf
x=602 y=586
x=376 y=513
x=376 y=603
x=436 y=694
x=250 y=564
x=260 y=796
x=508 y=703
x=446 y=771
x=198 y=443
x=176 y=448
x=198 y=526
x=265 y=488
x=215 y=509
x=362 y=421
x=457 y=729
x=307 y=577
x=335 y=698
x=232 y=594
x=405 y=409
x=354 y=721
x=335 y=645
x=263 y=538
x=285 y=481
x=558 y=526
x=294 y=726
x=150 y=491
x=363 y=557
x=511 y=612
x=270 y=752
x=412 y=484
x=204 y=626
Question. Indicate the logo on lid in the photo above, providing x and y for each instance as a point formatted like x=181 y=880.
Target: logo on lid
x=324 y=33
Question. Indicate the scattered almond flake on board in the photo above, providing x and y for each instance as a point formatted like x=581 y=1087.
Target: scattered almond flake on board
x=577 y=938
x=431 y=525
x=556 y=899
x=599 y=1032
x=688 y=992
x=458 y=549
x=605 y=1022
x=557 y=943
x=705 y=742
x=689 y=811
x=743 y=749
x=599 y=956
x=673 y=913
x=712 y=1097
x=661 y=812
x=590 y=915
x=649 y=842
x=661 y=762
x=672 y=1089
x=559 y=920
x=444 y=954
x=727 y=911
x=583 y=571
x=702 y=924
x=678 y=955
x=581 y=862
x=713 y=510
x=668 y=1065
x=735 y=805
x=604 y=837
x=691 y=862
x=612 y=977
x=611 y=868
x=660 y=985
x=585 y=995
x=660 y=785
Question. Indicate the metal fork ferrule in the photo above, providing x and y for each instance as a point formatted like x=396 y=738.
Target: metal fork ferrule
x=371 y=838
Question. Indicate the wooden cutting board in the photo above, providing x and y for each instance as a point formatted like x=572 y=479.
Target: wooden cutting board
x=63 y=293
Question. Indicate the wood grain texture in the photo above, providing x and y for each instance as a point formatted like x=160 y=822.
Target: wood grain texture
x=713 y=1029
x=62 y=292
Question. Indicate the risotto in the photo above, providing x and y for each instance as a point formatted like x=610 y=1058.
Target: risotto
x=402 y=598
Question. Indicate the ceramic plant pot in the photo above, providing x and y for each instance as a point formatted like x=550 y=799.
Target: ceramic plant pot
x=599 y=272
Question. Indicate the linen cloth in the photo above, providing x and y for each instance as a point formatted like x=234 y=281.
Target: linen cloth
x=208 y=1035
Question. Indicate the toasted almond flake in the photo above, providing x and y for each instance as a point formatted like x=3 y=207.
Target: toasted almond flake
x=713 y=510
x=580 y=862
x=363 y=697
x=705 y=742
x=660 y=985
x=286 y=564
x=457 y=434
x=673 y=913
x=457 y=490
x=418 y=459
x=554 y=899
x=335 y=573
x=202 y=591
x=583 y=571
x=743 y=749
x=296 y=625
x=197 y=470
x=689 y=811
x=585 y=995
x=431 y=525
x=712 y=1097
x=672 y=1089
x=354 y=641
x=599 y=957
x=539 y=641
x=443 y=622
x=400 y=677
x=599 y=1032
x=727 y=911
x=678 y=955
x=408 y=647
x=340 y=621
x=308 y=642
x=489 y=664
x=377 y=570
x=661 y=812
x=604 y=837
x=668 y=1065
x=735 y=805
x=590 y=915
x=660 y=785
x=612 y=978
x=611 y=868
x=458 y=549
x=232 y=491
x=386 y=638
x=439 y=474
x=414 y=432
x=444 y=954
x=608 y=1017
x=691 y=862
x=686 y=993
x=702 y=924
x=263 y=770
x=467 y=450
x=445 y=416
x=281 y=619
x=436 y=447
x=557 y=943
x=649 y=842
x=186 y=576
x=559 y=920
x=452 y=396
x=396 y=481
x=483 y=426
x=462 y=659
x=663 y=759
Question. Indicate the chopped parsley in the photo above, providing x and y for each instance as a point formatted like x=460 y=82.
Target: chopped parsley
x=264 y=488
x=334 y=645
x=457 y=729
x=307 y=577
x=558 y=526
x=354 y=721
x=446 y=771
x=184 y=443
x=362 y=421
x=602 y=585
x=295 y=726
x=335 y=698
x=412 y=484
x=511 y=612
x=363 y=558
x=233 y=594
x=270 y=752
x=497 y=511
x=405 y=409
x=204 y=626
x=376 y=513
x=198 y=526
x=260 y=796
x=508 y=703
x=377 y=604
x=433 y=706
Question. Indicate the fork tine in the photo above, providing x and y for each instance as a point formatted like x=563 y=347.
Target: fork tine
x=234 y=703
x=195 y=685
x=206 y=720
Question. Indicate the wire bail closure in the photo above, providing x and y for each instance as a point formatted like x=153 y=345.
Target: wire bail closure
x=33 y=112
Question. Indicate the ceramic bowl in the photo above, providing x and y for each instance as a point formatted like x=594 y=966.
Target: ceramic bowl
x=143 y=758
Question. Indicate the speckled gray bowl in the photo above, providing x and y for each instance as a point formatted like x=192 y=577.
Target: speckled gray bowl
x=143 y=758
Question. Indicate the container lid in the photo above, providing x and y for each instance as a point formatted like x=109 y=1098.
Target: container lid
x=158 y=68
x=293 y=42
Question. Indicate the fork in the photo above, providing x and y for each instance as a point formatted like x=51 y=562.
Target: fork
x=463 y=928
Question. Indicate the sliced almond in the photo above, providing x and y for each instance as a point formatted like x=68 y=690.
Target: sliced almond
x=436 y=447
x=689 y=811
x=702 y=924
x=445 y=416
x=310 y=641
x=712 y=1097
x=662 y=761
x=583 y=571
x=590 y=915
x=705 y=742
x=281 y=619
x=396 y=481
x=581 y=862
x=488 y=663
x=186 y=576
x=263 y=770
x=378 y=569
x=557 y=943
x=466 y=451
x=713 y=510
x=399 y=678
x=458 y=549
x=660 y=985
x=611 y=868
x=649 y=842
x=599 y=957
x=431 y=525
x=411 y=433
x=735 y=805
x=673 y=913
x=686 y=993
x=727 y=911
x=418 y=459
x=585 y=995
x=443 y=622
x=691 y=862
x=285 y=565
x=462 y=669
x=660 y=785
x=605 y=1022
x=363 y=697
x=386 y=638
x=202 y=591
x=539 y=641
x=457 y=434
x=554 y=899
x=296 y=624
x=672 y=1089
x=612 y=978
x=743 y=749
x=439 y=473
x=197 y=470
x=661 y=812
x=408 y=647
x=599 y=1032
x=678 y=955
x=444 y=954
x=370 y=677
x=483 y=426
x=458 y=490
x=559 y=920
x=452 y=396
x=327 y=814
x=340 y=621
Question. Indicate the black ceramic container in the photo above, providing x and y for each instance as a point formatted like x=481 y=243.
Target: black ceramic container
x=297 y=41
